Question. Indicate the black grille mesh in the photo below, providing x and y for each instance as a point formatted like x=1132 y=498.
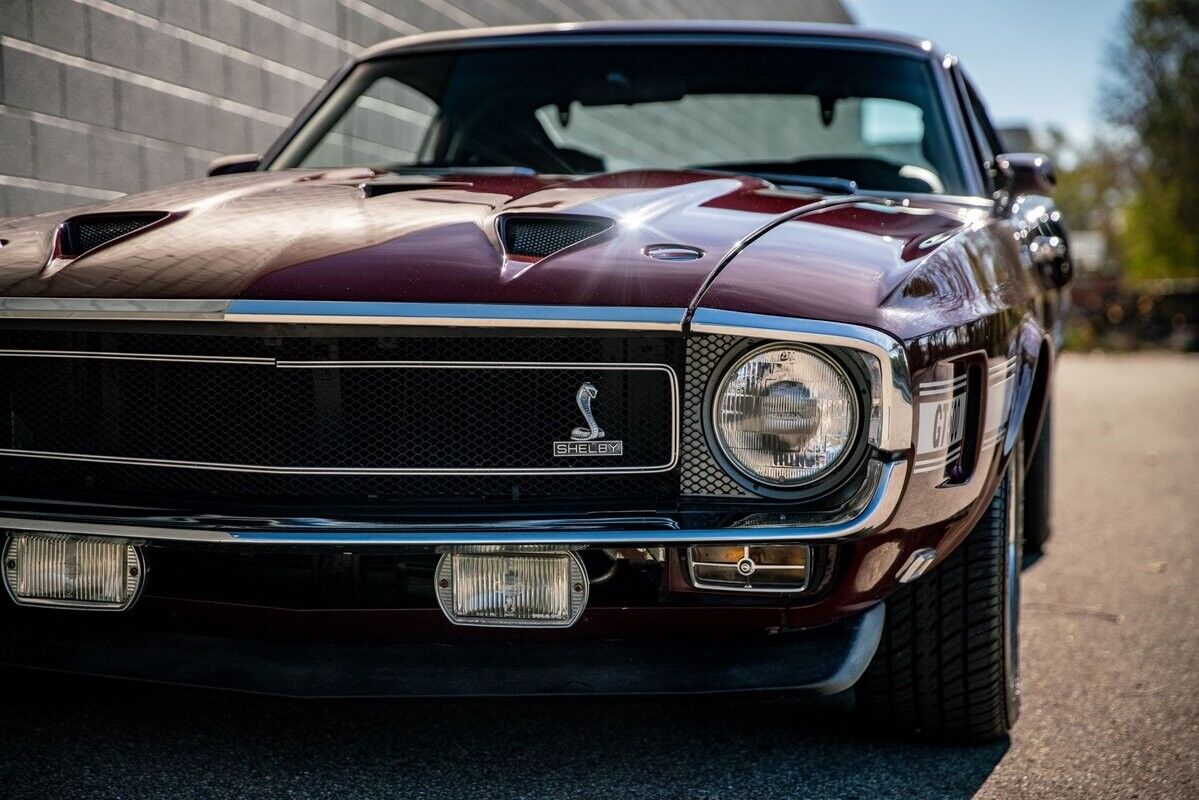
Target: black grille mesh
x=542 y=236
x=699 y=474
x=87 y=233
x=386 y=418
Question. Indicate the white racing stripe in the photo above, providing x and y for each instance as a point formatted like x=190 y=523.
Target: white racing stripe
x=1001 y=390
x=942 y=415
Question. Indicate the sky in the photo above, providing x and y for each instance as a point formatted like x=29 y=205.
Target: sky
x=1044 y=69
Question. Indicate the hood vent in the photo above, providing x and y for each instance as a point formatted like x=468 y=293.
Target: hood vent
x=80 y=235
x=541 y=236
x=381 y=186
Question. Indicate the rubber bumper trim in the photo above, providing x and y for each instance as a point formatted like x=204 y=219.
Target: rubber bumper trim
x=817 y=661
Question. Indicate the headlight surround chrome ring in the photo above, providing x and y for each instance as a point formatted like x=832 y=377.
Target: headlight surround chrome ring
x=841 y=368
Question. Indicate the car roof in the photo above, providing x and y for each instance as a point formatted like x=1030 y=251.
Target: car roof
x=638 y=28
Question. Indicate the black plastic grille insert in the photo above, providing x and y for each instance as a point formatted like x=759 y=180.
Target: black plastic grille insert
x=539 y=237
x=332 y=418
x=82 y=234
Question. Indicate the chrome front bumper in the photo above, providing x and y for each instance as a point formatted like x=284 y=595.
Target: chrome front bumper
x=867 y=513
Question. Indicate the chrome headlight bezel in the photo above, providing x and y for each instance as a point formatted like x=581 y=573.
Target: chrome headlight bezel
x=856 y=375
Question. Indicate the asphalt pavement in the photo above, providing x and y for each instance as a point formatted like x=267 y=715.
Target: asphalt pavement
x=1110 y=622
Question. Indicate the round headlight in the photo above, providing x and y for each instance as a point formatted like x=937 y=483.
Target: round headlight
x=785 y=415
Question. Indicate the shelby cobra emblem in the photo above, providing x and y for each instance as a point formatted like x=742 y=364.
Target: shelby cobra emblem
x=585 y=440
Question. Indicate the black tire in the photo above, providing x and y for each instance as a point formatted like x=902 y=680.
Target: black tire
x=1037 y=488
x=948 y=663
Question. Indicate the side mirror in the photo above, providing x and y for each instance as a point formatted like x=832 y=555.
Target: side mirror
x=1019 y=174
x=228 y=165
x=1051 y=257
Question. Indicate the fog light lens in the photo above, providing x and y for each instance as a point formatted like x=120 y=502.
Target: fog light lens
x=53 y=569
x=750 y=568
x=513 y=587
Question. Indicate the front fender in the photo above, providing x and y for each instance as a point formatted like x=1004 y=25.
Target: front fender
x=1034 y=351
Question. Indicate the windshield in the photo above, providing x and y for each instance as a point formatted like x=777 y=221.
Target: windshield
x=836 y=118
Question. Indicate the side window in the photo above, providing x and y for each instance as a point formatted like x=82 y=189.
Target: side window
x=984 y=121
x=985 y=145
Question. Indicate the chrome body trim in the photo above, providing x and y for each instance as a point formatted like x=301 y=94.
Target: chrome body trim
x=916 y=565
x=896 y=431
x=699 y=583
x=456 y=314
x=336 y=312
x=115 y=309
x=672 y=379
x=860 y=519
x=104 y=356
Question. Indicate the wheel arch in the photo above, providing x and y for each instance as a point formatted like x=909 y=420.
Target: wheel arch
x=1032 y=390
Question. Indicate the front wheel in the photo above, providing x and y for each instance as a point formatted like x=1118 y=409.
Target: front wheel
x=948 y=663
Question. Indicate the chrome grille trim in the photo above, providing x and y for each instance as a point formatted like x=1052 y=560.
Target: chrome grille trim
x=103 y=356
x=897 y=422
x=337 y=312
x=896 y=432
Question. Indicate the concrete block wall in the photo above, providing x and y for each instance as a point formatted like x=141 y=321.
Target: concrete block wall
x=100 y=98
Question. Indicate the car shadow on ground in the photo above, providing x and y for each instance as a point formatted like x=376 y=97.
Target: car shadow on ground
x=86 y=737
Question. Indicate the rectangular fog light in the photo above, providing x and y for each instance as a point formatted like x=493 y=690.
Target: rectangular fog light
x=749 y=568
x=512 y=587
x=54 y=569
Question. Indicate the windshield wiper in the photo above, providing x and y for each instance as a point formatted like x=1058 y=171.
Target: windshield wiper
x=786 y=180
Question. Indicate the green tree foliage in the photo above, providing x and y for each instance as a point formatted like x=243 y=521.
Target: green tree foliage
x=1094 y=182
x=1154 y=93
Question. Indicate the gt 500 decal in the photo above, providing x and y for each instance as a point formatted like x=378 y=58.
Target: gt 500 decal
x=942 y=423
x=942 y=415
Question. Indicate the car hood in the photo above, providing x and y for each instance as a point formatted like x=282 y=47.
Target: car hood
x=356 y=235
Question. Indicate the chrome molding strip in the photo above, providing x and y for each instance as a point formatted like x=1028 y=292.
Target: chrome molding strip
x=858 y=521
x=456 y=314
x=103 y=356
x=540 y=365
x=83 y=308
x=896 y=431
x=334 y=312
x=672 y=379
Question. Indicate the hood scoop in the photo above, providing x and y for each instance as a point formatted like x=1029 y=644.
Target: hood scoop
x=538 y=236
x=382 y=186
x=80 y=235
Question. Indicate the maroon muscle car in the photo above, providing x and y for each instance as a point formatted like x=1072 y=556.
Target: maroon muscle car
x=599 y=358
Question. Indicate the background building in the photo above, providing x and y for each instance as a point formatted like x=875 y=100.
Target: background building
x=103 y=97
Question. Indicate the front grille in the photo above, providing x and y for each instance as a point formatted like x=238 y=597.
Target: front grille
x=396 y=417
x=700 y=475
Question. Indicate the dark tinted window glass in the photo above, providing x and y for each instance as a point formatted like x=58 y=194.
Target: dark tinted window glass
x=873 y=118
